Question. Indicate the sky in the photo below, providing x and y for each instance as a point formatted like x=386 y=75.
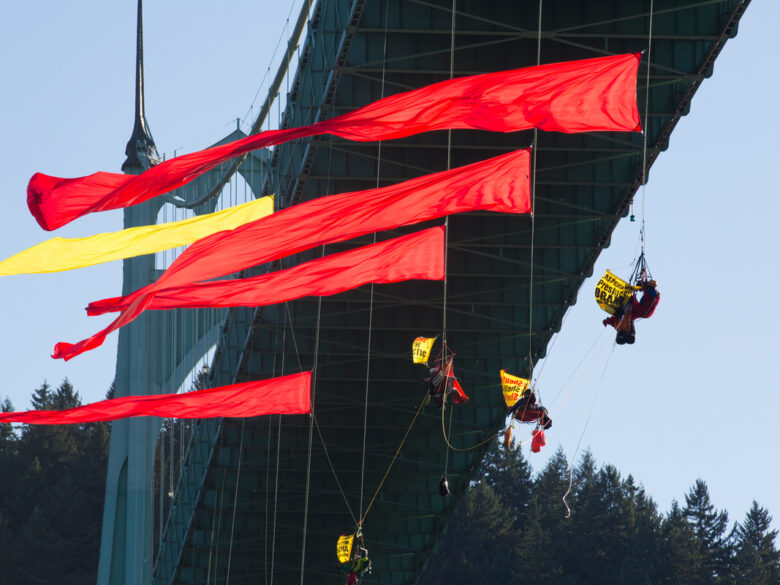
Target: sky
x=695 y=397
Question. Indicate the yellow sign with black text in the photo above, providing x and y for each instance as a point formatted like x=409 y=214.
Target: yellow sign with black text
x=513 y=387
x=612 y=292
x=421 y=349
x=344 y=547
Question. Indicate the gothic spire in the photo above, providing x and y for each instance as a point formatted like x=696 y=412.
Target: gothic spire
x=141 y=151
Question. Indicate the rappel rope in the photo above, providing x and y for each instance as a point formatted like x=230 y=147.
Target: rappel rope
x=451 y=446
x=582 y=434
x=446 y=255
x=392 y=461
x=640 y=267
x=533 y=216
x=642 y=232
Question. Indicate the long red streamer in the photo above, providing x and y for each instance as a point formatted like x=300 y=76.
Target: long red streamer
x=500 y=184
x=416 y=256
x=286 y=395
x=574 y=96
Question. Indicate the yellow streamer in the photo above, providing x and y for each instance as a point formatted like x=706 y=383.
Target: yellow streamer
x=58 y=254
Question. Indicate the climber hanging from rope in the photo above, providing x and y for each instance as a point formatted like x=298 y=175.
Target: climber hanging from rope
x=527 y=409
x=523 y=407
x=353 y=556
x=623 y=319
x=442 y=382
x=619 y=298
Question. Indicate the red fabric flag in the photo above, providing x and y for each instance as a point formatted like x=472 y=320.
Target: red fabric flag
x=419 y=255
x=286 y=395
x=538 y=441
x=416 y=256
x=500 y=184
x=574 y=96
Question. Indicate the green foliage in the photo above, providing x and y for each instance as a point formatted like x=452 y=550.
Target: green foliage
x=512 y=527
x=51 y=503
x=710 y=527
x=757 y=561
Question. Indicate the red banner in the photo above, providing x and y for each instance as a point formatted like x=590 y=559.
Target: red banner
x=416 y=256
x=500 y=184
x=286 y=395
x=590 y=95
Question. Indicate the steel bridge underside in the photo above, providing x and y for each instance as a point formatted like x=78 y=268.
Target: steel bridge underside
x=247 y=505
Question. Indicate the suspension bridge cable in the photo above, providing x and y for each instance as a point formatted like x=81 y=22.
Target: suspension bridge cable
x=533 y=217
x=235 y=501
x=278 y=452
x=371 y=294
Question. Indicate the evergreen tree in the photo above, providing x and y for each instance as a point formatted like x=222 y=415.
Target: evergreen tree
x=508 y=473
x=474 y=548
x=639 y=565
x=757 y=561
x=41 y=398
x=682 y=553
x=709 y=526
x=50 y=513
x=7 y=434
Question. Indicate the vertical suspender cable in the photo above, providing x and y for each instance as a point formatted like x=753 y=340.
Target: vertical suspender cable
x=371 y=294
x=533 y=215
x=278 y=452
x=644 y=134
x=449 y=166
x=313 y=395
x=235 y=501
x=446 y=240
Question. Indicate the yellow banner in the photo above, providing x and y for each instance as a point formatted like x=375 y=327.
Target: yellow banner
x=513 y=387
x=344 y=548
x=421 y=349
x=58 y=254
x=613 y=292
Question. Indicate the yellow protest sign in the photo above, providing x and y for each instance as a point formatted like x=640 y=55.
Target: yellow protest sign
x=421 y=349
x=513 y=387
x=344 y=548
x=613 y=292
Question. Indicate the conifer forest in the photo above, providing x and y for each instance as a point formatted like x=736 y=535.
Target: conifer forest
x=511 y=527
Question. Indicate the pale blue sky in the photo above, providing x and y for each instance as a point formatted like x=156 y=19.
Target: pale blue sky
x=697 y=396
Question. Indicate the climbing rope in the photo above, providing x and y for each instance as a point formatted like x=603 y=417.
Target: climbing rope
x=451 y=446
x=392 y=461
x=333 y=470
x=535 y=149
x=582 y=434
x=647 y=118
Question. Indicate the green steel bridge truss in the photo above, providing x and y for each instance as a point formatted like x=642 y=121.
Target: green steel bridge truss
x=265 y=499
